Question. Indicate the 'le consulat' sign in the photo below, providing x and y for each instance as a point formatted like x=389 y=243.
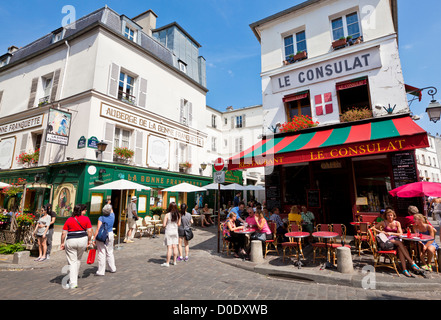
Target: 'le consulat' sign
x=150 y=125
x=330 y=69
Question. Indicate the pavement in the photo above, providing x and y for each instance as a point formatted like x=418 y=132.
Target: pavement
x=204 y=246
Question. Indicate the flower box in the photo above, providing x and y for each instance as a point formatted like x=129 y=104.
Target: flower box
x=122 y=155
x=356 y=114
x=340 y=43
x=298 y=123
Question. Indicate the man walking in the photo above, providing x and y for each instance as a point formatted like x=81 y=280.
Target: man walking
x=132 y=216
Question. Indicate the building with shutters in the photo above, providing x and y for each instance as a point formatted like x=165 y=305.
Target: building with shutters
x=337 y=62
x=104 y=78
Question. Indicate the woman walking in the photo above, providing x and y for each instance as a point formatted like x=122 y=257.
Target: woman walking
x=105 y=249
x=172 y=221
x=76 y=236
x=41 y=230
x=186 y=222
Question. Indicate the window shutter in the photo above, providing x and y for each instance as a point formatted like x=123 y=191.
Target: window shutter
x=33 y=93
x=55 y=82
x=138 y=148
x=142 y=93
x=232 y=122
x=177 y=155
x=190 y=113
x=108 y=138
x=189 y=154
x=243 y=121
x=24 y=142
x=113 y=81
x=42 y=151
x=181 y=112
x=1 y=96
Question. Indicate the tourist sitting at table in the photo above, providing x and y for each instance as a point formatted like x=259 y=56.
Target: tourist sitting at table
x=207 y=213
x=239 y=211
x=250 y=221
x=307 y=220
x=266 y=213
x=237 y=240
x=294 y=216
x=392 y=229
x=197 y=212
x=281 y=227
x=262 y=225
x=428 y=248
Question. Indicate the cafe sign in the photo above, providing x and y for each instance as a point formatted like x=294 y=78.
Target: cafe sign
x=148 y=124
x=28 y=123
x=336 y=68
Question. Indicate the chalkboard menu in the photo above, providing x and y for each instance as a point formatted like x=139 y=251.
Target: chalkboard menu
x=313 y=198
x=403 y=168
x=273 y=196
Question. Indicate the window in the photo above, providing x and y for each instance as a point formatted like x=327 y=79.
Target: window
x=47 y=88
x=58 y=35
x=182 y=66
x=292 y=48
x=213 y=144
x=239 y=122
x=122 y=138
x=129 y=33
x=186 y=112
x=299 y=105
x=353 y=94
x=126 y=88
x=346 y=26
x=213 y=121
x=239 y=145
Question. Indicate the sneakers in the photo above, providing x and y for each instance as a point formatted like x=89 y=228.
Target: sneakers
x=186 y=259
x=128 y=241
x=165 y=265
x=179 y=259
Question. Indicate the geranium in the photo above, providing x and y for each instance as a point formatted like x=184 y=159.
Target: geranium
x=29 y=158
x=24 y=219
x=185 y=164
x=298 y=123
x=125 y=153
x=14 y=188
x=355 y=114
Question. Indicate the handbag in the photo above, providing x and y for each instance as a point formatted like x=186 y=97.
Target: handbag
x=91 y=256
x=384 y=243
x=258 y=236
x=103 y=234
x=188 y=233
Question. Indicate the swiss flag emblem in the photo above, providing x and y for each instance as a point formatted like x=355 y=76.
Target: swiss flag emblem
x=323 y=104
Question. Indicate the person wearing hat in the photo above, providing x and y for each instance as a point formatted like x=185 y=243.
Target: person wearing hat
x=132 y=216
x=105 y=249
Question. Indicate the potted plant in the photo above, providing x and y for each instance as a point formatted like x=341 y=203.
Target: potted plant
x=300 y=55
x=340 y=43
x=15 y=188
x=356 y=114
x=25 y=219
x=28 y=159
x=298 y=123
x=123 y=154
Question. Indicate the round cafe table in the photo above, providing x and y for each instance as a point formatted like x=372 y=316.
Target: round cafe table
x=246 y=232
x=416 y=237
x=298 y=235
x=326 y=235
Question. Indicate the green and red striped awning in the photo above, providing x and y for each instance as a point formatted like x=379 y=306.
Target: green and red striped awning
x=389 y=135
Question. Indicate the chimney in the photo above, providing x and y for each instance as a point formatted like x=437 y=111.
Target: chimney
x=147 y=20
x=230 y=108
x=12 y=49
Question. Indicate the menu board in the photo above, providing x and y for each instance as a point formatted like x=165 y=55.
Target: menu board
x=313 y=198
x=273 y=190
x=404 y=168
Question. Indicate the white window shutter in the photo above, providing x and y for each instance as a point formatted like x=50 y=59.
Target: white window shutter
x=190 y=113
x=108 y=138
x=181 y=111
x=113 y=80
x=138 y=148
x=33 y=93
x=232 y=122
x=243 y=121
x=55 y=82
x=142 y=98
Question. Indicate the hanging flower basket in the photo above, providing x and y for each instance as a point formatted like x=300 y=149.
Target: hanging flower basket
x=15 y=188
x=123 y=154
x=29 y=159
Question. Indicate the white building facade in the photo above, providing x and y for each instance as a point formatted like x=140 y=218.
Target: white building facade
x=428 y=162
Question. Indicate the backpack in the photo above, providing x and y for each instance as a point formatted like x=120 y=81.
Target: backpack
x=103 y=234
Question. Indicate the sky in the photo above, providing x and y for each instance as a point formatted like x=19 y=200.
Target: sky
x=230 y=48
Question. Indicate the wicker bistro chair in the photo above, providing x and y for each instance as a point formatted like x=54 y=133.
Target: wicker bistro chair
x=225 y=242
x=273 y=242
x=293 y=244
x=391 y=255
x=362 y=237
x=320 y=244
x=141 y=227
x=158 y=225
x=336 y=243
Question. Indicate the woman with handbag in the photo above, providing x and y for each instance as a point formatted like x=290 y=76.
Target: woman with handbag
x=172 y=221
x=184 y=231
x=262 y=225
x=76 y=237
x=105 y=248
x=391 y=228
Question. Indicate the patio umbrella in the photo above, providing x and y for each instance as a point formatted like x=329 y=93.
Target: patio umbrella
x=184 y=187
x=214 y=186
x=234 y=186
x=253 y=188
x=4 y=185
x=121 y=184
x=418 y=189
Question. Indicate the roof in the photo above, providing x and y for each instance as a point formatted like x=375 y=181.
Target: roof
x=255 y=25
x=175 y=24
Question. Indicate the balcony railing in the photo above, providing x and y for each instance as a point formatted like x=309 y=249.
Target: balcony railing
x=44 y=101
x=125 y=97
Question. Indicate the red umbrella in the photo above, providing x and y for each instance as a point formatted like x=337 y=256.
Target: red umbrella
x=418 y=189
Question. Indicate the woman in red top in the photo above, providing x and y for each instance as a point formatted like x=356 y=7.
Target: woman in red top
x=76 y=236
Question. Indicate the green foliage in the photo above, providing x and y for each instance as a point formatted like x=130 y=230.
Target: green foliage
x=11 y=248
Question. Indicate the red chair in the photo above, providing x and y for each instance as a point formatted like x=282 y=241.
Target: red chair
x=378 y=253
x=362 y=237
x=273 y=242
x=296 y=244
x=336 y=243
x=320 y=244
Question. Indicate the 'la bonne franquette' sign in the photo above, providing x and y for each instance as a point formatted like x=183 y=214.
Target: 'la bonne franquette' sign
x=354 y=63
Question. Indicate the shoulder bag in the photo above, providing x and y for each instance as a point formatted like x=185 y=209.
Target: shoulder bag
x=188 y=233
x=384 y=243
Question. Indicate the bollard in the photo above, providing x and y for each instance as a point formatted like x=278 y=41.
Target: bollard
x=344 y=260
x=256 y=254
x=20 y=257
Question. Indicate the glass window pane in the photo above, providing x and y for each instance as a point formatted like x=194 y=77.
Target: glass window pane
x=337 y=23
x=338 y=33
x=354 y=30
x=300 y=36
x=288 y=41
x=306 y=111
x=301 y=46
x=352 y=18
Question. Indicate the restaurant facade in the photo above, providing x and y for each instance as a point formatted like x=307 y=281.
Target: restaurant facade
x=337 y=64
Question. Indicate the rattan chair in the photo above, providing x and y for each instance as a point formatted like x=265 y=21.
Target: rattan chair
x=391 y=255
x=337 y=242
x=293 y=244
x=273 y=242
x=320 y=244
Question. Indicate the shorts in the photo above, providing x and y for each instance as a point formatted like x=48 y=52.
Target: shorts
x=131 y=223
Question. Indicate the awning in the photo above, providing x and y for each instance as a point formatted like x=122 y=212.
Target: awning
x=351 y=84
x=365 y=138
x=296 y=96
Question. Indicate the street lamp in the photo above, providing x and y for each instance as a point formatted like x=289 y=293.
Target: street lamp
x=434 y=111
x=101 y=148
x=203 y=167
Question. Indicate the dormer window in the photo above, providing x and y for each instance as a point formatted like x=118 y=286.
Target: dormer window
x=130 y=30
x=182 y=66
x=58 y=35
x=129 y=34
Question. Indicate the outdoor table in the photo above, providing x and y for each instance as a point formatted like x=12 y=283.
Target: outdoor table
x=214 y=216
x=415 y=237
x=298 y=235
x=326 y=235
x=246 y=232
x=154 y=227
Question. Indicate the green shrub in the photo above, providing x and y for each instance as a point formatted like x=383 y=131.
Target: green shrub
x=11 y=248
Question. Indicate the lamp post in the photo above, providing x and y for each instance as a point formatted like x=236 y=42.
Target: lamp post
x=434 y=108
x=101 y=148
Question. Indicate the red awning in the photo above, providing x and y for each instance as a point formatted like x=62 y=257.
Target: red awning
x=296 y=96
x=351 y=84
x=396 y=134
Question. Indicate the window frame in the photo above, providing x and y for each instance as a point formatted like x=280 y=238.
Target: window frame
x=295 y=42
x=118 y=142
x=122 y=94
x=344 y=19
